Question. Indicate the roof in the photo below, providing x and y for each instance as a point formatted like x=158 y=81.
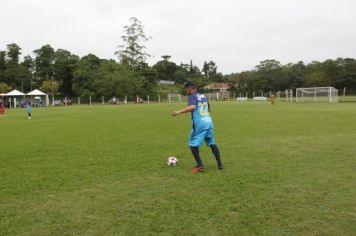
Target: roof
x=14 y=93
x=220 y=86
x=165 y=82
x=36 y=92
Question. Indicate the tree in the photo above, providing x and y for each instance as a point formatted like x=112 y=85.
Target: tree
x=268 y=72
x=165 y=69
x=4 y=88
x=205 y=69
x=316 y=75
x=51 y=87
x=317 y=79
x=18 y=77
x=212 y=69
x=117 y=80
x=191 y=67
x=180 y=76
x=166 y=57
x=296 y=74
x=194 y=71
x=209 y=69
x=148 y=80
x=346 y=76
x=44 y=61
x=2 y=64
x=84 y=74
x=132 y=52
x=13 y=53
x=14 y=74
x=63 y=68
x=268 y=65
x=29 y=63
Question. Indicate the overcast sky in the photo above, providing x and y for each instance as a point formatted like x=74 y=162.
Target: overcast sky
x=236 y=34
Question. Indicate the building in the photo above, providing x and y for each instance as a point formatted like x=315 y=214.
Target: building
x=218 y=87
x=165 y=82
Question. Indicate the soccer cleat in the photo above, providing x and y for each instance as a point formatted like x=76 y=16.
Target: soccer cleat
x=198 y=169
x=29 y=118
x=221 y=167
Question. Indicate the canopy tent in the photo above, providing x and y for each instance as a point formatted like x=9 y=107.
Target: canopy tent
x=14 y=93
x=38 y=93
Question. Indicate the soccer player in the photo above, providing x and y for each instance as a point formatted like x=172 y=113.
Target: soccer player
x=28 y=109
x=272 y=97
x=202 y=126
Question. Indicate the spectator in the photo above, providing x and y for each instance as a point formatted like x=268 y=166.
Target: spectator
x=2 y=108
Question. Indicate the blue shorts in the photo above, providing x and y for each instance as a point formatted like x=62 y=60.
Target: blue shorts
x=198 y=136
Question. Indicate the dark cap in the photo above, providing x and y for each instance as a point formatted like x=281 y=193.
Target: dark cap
x=189 y=84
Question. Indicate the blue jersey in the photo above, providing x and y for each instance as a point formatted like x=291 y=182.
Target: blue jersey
x=28 y=107
x=201 y=119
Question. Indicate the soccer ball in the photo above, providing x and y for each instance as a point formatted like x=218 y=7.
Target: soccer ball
x=172 y=161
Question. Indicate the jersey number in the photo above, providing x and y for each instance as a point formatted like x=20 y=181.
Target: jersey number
x=203 y=108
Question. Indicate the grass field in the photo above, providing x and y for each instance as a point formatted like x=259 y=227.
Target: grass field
x=100 y=170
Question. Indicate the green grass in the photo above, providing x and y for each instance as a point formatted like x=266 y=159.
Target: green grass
x=100 y=170
x=347 y=98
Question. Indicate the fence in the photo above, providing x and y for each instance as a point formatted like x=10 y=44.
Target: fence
x=345 y=95
x=156 y=98
x=169 y=98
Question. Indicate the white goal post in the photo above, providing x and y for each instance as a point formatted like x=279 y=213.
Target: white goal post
x=317 y=94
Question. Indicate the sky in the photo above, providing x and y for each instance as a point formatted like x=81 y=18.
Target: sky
x=235 y=34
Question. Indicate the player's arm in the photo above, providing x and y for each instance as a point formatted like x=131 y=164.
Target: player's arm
x=185 y=110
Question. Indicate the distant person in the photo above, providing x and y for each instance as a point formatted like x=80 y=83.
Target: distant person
x=203 y=128
x=273 y=99
x=2 y=108
x=28 y=109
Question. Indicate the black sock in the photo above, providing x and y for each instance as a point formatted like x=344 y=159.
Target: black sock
x=29 y=114
x=216 y=153
x=195 y=152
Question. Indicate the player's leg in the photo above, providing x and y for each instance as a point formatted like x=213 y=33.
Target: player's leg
x=196 y=155
x=216 y=152
x=210 y=141
x=195 y=142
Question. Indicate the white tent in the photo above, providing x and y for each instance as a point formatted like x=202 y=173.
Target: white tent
x=36 y=93
x=14 y=93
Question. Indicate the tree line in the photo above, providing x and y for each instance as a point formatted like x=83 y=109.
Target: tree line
x=271 y=75
x=58 y=71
